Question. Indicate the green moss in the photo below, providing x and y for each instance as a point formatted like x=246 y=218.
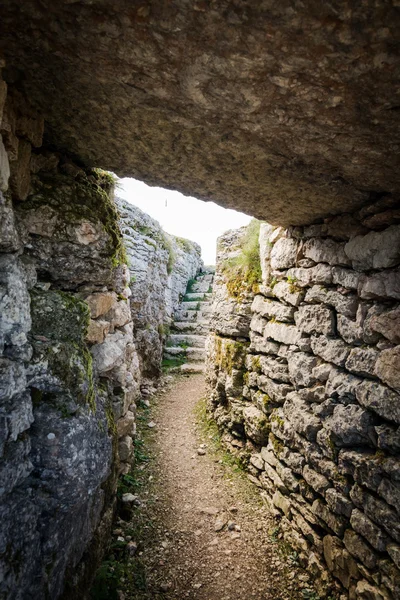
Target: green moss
x=276 y=444
x=243 y=272
x=256 y=364
x=277 y=419
x=88 y=197
x=293 y=287
x=185 y=244
x=230 y=354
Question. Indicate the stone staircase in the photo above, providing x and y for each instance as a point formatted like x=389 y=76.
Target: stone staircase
x=185 y=345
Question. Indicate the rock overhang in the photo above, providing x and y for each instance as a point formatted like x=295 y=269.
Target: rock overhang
x=287 y=111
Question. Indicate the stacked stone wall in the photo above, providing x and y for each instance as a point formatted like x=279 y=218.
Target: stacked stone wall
x=307 y=391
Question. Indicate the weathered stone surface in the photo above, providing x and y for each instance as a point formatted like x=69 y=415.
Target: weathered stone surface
x=387 y=324
x=382 y=400
x=371 y=532
x=9 y=237
x=4 y=168
x=351 y=425
x=315 y=319
x=377 y=510
x=339 y=503
x=288 y=293
x=336 y=523
x=359 y=549
x=97 y=331
x=387 y=367
x=20 y=173
x=301 y=368
x=366 y=591
x=260 y=345
x=334 y=351
x=317 y=481
x=274 y=368
x=191 y=91
x=99 y=304
x=339 y=561
x=326 y=251
x=388 y=438
x=272 y=309
x=256 y=425
x=320 y=274
x=280 y=332
x=345 y=305
x=283 y=253
x=381 y=285
x=376 y=250
x=345 y=277
x=300 y=417
x=362 y=361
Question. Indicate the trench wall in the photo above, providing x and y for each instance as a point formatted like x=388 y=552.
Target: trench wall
x=303 y=378
x=72 y=362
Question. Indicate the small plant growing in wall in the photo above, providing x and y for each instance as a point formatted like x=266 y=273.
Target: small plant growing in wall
x=243 y=272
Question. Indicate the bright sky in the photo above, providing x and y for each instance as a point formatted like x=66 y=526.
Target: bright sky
x=182 y=215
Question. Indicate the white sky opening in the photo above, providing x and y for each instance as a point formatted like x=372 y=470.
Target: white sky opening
x=184 y=216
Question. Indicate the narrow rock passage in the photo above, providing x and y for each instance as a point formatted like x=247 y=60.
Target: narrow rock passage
x=202 y=531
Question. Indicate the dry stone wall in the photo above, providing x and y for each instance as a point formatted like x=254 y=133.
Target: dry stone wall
x=307 y=391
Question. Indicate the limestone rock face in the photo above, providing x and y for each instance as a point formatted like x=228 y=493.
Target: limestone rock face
x=285 y=76
x=160 y=268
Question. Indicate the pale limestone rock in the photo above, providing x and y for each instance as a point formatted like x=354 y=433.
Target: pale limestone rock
x=274 y=368
x=276 y=391
x=301 y=368
x=387 y=324
x=371 y=532
x=257 y=324
x=361 y=361
x=357 y=547
x=286 y=334
x=265 y=245
x=255 y=424
x=119 y=314
x=272 y=309
x=339 y=503
x=380 y=285
x=346 y=278
x=125 y=448
x=350 y=425
x=343 y=304
x=367 y=591
x=282 y=503
x=394 y=553
x=336 y=523
x=284 y=253
x=100 y=303
x=317 y=481
x=380 y=399
x=9 y=237
x=387 y=367
x=376 y=250
x=320 y=274
x=97 y=331
x=289 y=293
x=377 y=510
x=301 y=418
x=326 y=251
x=111 y=352
x=126 y=425
x=315 y=319
x=334 y=351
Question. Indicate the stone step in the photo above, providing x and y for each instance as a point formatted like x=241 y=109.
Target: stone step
x=200 y=297
x=189 y=354
x=200 y=286
x=186 y=315
x=191 y=368
x=199 y=327
x=194 y=305
x=195 y=341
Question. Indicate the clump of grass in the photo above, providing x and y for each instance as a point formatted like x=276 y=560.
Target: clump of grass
x=243 y=272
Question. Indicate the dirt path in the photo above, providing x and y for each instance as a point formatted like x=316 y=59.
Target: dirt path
x=201 y=529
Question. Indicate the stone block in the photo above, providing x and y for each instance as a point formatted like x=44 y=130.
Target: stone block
x=125 y=448
x=119 y=314
x=385 y=284
x=382 y=400
x=257 y=324
x=361 y=361
x=336 y=523
x=272 y=309
x=387 y=324
x=97 y=331
x=351 y=425
x=315 y=319
x=387 y=367
x=301 y=368
x=301 y=419
x=284 y=253
x=326 y=251
x=280 y=332
x=376 y=250
x=367 y=591
x=339 y=561
x=318 y=482
x=346 y=278
x=320 y=274
x=339 y=503
x=390 y=492
x=126 y=425
x=377 y=510
x=9 y=237
x=358 y=548
x=351 y=331
x=256 y=425
x=343 y=303
x=342 y=385
x=100 y=303
x=371 y=532
x=12 y=379
x=331 y=350
x=110 y=353
x=260 y=345
x=288 y=293
x=282 y=503
x=388 y=438
x=394 y=553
